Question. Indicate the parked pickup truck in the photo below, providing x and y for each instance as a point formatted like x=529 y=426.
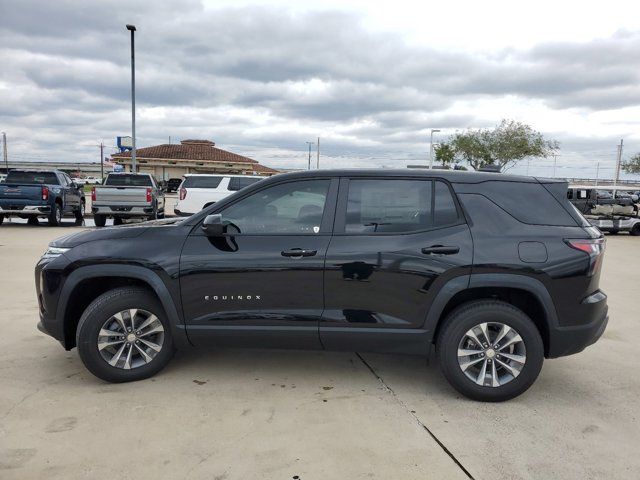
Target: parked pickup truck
x=611 y=209
x=40 y=193
x=127 y=195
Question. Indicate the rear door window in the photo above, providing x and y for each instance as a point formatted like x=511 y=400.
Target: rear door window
x=207 y=181
x=388 y=206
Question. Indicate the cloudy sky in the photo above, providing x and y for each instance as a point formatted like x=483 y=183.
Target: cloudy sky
x=370 y=78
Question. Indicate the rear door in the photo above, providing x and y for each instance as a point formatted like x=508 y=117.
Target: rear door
x=396 y=242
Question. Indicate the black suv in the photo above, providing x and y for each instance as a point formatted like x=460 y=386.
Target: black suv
x=497 y=271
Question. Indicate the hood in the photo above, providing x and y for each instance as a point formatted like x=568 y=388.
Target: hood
x=111 y=233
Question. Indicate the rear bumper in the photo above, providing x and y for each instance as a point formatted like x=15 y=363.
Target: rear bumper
x=181 y=214
x=26 y=210
x=122 y=211
x=569 y=340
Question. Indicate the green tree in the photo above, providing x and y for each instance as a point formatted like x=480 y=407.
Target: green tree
x=633 y=165
x=506 y=144
x=445 y=154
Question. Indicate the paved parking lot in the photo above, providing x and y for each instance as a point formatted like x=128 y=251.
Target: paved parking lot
x=309 y=415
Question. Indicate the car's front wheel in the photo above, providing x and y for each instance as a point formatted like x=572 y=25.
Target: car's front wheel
x=490 y=350
x=124 y=335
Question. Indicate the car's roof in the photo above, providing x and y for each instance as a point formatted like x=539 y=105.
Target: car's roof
x=221 y=175
x=454 y=176
x=35 y=170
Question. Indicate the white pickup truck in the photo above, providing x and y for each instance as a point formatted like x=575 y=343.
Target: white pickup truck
x=127 y=195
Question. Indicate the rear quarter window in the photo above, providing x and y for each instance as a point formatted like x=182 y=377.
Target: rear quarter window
x=209 y=181
x=529 y=203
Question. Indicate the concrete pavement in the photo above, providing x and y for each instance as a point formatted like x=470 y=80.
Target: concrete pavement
x=308 y=415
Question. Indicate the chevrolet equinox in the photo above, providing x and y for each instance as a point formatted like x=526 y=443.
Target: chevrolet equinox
x=496 y=272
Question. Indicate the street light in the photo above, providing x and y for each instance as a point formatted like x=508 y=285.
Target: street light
x=132 y=29
x=310 y=143
x=433 y=130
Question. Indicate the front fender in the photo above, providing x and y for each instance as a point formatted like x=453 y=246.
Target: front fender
x=127 y=271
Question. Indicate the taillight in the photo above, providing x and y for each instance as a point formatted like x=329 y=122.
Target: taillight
x=149 y=195
x=183 y=193
x=594 y=247
x=93 y=194
x=45 y=193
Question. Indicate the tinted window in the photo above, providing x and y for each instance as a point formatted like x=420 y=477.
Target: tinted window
x=290 y=208
x=46 y=178
x=528 y=202
x=445 y=212
x=238 y=183
x=129 y=180
x=388 y=206
x=202 y=182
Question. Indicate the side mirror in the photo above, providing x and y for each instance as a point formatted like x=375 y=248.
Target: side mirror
x=212 y=225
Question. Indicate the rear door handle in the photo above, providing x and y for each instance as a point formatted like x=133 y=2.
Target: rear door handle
x=440 y=250
x=298 y=253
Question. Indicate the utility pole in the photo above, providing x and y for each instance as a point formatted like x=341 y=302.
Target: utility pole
x=618 y=161
x=318 y=154
x=101 y=160
x=4 y=151
x=555 y=163
x=309 y=166
x=433 y=130
x=597 y=173
x=134 y=169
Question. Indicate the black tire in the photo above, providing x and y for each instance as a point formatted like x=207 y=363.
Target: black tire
x=474 y=313
x=1 y=219
x=100 y=220
x=98 y=312
x=33 y=220
x=117 y=220
x=79 y=214
x=635 y=231
x=55 y=216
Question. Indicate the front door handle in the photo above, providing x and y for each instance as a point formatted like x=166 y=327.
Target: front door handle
x=440 y=250
x=298 y=253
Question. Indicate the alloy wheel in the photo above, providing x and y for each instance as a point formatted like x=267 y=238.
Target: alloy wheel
x=492 y=354
x=130 y=338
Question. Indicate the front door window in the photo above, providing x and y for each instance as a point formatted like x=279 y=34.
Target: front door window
x=293 y=208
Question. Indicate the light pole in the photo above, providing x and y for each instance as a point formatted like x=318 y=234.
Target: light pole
x=433 y=130
x=4 y=152
x=310 y=143
x=132 y=29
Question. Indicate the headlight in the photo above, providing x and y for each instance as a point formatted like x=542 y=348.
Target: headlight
x=54 y=252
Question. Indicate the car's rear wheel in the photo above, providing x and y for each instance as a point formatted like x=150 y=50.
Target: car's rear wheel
x=32 y=220
x=1 y=219
x=79 y=213
x=635 y=231
x=55 y=217
x=124 y=335
x=117 y=221
x=490 y=350
x=100 y=220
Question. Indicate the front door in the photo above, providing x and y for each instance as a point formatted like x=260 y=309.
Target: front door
x=396 y=241
x=261 y=284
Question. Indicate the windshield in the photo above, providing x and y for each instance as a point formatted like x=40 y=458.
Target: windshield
x=129 y=180
x=38 y=178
